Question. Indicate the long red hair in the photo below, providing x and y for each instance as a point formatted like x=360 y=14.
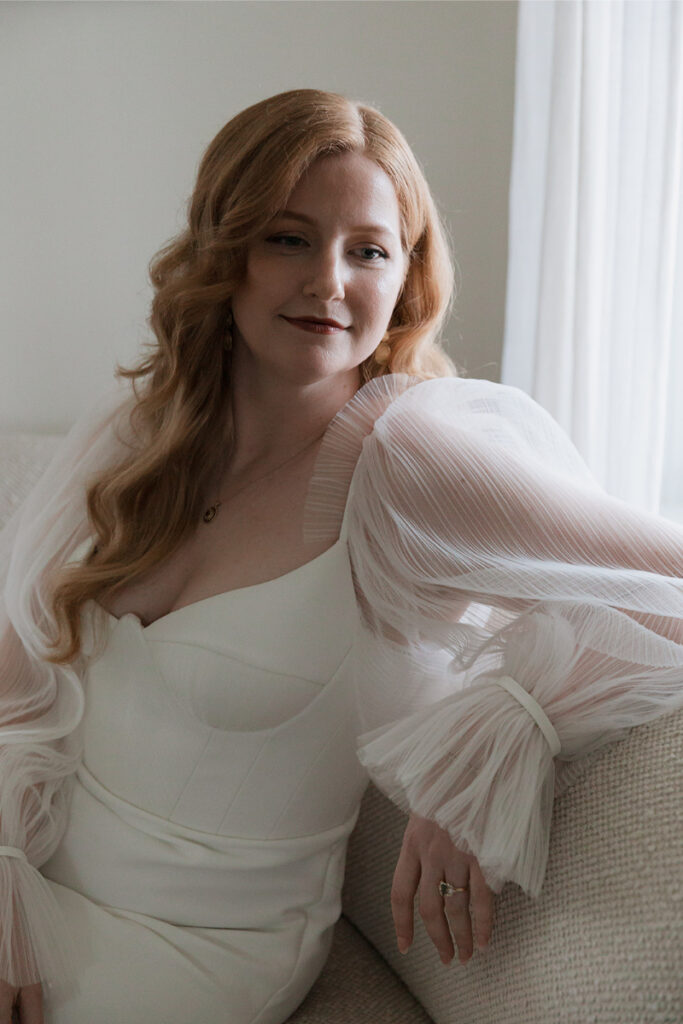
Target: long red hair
x=142 y=508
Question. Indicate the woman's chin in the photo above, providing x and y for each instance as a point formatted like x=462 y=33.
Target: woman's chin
x=316 y=366
x=302 y=365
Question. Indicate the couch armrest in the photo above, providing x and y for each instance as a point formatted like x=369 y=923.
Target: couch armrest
x=603 y=942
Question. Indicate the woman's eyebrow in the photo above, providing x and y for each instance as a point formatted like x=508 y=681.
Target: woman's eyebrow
x=293 y=215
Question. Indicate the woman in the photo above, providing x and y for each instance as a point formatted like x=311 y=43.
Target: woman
x=302 y=553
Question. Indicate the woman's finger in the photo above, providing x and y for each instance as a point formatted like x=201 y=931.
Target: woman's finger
x=7 y=997
x=432 y=911
x=31 y=1004
x=403 y=889
x=457 y=909
x=482 y=902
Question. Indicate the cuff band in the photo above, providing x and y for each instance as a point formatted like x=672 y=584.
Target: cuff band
x=13 y=851
x=534 y=709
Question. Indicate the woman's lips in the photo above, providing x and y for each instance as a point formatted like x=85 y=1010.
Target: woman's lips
x=308 y=325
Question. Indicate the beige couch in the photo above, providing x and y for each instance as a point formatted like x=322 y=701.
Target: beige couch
x=602 y=945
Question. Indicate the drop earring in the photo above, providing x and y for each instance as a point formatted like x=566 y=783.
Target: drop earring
x=227 y=341
x=382 y=353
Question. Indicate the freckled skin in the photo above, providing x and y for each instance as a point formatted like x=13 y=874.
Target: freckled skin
x=328 y=269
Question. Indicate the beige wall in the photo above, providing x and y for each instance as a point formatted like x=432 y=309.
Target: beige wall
x=108 y=106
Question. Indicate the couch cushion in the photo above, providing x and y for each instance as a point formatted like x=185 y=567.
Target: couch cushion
x=603 y=942
x=357 y=987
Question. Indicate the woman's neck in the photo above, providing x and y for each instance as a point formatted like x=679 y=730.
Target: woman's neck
x=273 y=417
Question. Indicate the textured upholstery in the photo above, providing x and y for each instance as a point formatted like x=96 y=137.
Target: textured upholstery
x=604 y=941
x=357 y=987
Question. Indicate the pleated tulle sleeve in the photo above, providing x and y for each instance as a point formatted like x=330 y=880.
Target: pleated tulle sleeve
x=41 y=705
x=515 y=617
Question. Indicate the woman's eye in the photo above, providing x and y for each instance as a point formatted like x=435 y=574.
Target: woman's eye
x=285 y=238
x=375 y=252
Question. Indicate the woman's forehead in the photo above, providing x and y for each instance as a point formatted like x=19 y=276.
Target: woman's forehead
x=348 y=186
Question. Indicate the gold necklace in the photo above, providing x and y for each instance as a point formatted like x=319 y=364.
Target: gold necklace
x=212 y=510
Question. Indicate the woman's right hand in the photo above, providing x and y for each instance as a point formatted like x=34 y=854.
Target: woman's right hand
x=28 y=1002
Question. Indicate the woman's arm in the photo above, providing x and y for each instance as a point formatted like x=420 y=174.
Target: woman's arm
x=41 y=704
x=477 y=530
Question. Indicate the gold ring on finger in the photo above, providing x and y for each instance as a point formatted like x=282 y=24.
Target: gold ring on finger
x=446 y=889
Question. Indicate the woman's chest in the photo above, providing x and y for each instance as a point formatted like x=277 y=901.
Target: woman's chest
x=251 y=540
x=222 y=713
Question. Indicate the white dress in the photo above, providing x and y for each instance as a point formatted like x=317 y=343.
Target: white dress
x=201 y=869
x=488 y=616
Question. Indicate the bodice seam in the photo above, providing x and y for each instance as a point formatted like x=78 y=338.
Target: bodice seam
x=190 y=831
x=301 y=781
x=252 y=664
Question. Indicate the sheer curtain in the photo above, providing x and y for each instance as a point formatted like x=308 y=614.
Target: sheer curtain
x=594 y=317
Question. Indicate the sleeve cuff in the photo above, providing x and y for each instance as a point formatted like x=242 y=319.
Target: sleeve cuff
x=36 y=945
x=13 y=851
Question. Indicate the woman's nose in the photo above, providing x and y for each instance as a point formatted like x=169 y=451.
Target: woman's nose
x=326 y=277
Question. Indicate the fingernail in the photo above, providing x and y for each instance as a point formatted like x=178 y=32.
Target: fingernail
x=403 y=945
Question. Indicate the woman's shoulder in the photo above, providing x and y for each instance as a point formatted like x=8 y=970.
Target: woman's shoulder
x=468 y=418
x=460 y=401
x=461 y=443
x=393 y=417
x=423 y=418
x=392 y=397
x=402 y=439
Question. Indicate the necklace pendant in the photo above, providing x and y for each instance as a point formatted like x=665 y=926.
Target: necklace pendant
x=211 y=512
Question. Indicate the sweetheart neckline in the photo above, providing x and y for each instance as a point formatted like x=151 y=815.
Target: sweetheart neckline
x=223 y=593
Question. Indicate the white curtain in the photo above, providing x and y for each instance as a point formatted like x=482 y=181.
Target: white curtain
x=594 y=317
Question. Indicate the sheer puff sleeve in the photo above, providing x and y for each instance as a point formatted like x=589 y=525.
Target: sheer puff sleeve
x=515 y=617
x=41 y=704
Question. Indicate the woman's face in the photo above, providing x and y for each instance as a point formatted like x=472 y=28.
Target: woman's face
x=336 y=254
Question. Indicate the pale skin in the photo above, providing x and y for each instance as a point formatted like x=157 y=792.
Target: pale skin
x=28 y=1003
x=288 y=386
